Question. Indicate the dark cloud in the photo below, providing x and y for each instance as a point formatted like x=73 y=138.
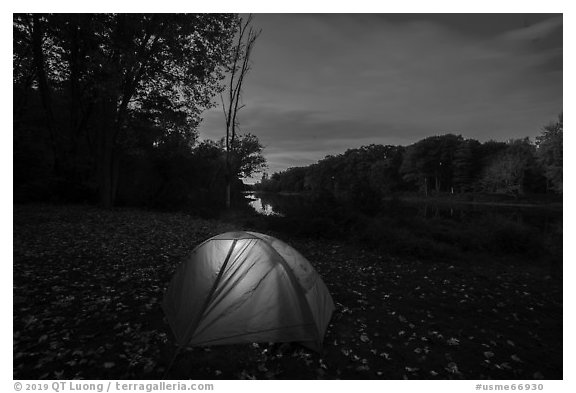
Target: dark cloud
x=321 y=84
x=479 y=25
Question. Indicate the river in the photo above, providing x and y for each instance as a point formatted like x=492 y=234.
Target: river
x=541 y=217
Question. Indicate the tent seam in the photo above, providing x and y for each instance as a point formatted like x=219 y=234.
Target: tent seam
x=299 y=294
x=211 y=293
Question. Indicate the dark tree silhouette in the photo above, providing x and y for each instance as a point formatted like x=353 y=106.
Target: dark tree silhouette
x=104 y=68
x=246 y=156
x=429 y=162
x=512 y=170
x=550 y=154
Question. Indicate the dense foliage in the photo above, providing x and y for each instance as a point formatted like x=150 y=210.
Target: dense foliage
x=106 y=106
x=434 y=165
x=550 y=153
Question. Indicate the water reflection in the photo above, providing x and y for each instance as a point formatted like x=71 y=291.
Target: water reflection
x=542 y=219
x=261 y=205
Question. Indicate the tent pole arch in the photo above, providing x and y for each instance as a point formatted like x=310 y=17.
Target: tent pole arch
x=299 y=290
x=194 y=325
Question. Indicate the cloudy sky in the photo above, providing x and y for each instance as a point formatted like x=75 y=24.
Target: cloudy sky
x=321 y=84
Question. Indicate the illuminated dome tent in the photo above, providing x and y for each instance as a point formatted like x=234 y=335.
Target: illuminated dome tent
x=243 y=287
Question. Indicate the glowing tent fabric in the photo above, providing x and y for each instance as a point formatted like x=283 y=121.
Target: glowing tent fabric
x=242 y=287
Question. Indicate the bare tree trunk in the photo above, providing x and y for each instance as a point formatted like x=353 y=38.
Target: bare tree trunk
x=107 y=160
x=108 y=173
x=228 y=176
x=239 y=69
x=228 y=204
x=21 y=101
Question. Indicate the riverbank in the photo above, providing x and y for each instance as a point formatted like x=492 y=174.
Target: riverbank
x=554 y=202
x=88 y=285
x=430 y=229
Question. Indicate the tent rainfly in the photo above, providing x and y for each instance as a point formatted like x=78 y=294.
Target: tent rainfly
x=243 y=287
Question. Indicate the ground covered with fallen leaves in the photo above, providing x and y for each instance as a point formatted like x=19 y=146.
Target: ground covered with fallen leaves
x=88 y=284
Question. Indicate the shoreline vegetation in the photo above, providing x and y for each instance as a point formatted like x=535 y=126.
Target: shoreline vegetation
x=436 y=169
x=548 y=201
x=522 y=232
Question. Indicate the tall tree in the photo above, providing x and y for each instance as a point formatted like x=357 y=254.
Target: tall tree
x=512 y=170
x=465 y=165
x=238 y=69
x=385 y=172
x=550 y=153
x=429 y=162
x=246 y=158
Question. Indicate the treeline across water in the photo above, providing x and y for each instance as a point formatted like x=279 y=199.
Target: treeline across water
x=444 y=164
x=380 y=197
